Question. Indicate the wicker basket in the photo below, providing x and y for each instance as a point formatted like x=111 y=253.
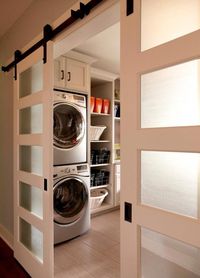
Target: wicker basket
x=96 y=132
x=96 y=197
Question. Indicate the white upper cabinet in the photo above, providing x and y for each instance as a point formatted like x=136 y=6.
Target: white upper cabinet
x=77 y=75
x=71 y=74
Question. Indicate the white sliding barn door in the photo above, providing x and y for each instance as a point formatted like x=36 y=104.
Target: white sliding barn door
x=33 y=179
x=160 y=139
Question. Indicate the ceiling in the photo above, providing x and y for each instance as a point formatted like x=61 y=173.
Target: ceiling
x=105 y=46
x=11 y=10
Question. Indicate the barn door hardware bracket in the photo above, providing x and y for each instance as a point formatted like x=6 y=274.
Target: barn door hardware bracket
x=129 y=7
x=128 y=212
x=17 y=56
x=84 y=10
x=50 y=33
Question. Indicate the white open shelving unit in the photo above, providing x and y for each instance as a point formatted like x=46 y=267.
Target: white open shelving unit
x=103 y=86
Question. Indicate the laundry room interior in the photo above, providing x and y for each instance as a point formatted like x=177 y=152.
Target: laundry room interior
x=87 y=155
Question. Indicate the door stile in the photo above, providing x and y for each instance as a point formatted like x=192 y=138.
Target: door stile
x=130 y=232
x=48 y=157
x=25 y=218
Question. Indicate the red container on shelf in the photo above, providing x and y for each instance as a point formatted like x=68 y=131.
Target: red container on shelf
x=92 y=103
x=105 y=106
x=98 y=105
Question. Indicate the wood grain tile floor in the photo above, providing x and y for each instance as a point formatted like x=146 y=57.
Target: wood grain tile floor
x=94 y=254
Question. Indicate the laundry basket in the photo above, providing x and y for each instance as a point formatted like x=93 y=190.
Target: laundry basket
x=96 y=132
x=96 y=197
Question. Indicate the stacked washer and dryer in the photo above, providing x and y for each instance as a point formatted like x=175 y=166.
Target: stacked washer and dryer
x=71 y=171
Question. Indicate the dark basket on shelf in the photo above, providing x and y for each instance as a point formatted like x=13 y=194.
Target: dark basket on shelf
x=100 y=156
x=99 y=177
x=117 y=110
x=92 y=179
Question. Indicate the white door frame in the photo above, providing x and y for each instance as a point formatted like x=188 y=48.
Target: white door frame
x=98 y=20
x=101 y=18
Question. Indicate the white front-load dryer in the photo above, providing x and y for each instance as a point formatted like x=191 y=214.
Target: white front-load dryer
x=70 y=128
x=71 y=194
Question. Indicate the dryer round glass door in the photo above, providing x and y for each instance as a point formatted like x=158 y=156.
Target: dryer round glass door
x=70 y=200
x=69 y=126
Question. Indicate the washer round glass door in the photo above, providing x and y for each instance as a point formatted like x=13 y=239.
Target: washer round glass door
x=70 y=200
x=69 y=126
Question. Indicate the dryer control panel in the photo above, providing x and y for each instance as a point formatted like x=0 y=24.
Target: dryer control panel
x=77 y=99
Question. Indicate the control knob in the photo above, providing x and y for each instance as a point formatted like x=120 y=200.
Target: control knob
x=67 y=170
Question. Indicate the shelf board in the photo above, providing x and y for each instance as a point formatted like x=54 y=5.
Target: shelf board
x=117 y=100
x=100 y=141
x=99 y=165
x=117 y=118
x=99 y=114
x=104 y=206
x=99 y=186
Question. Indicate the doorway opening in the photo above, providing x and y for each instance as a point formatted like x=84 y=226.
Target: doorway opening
x=91 y=68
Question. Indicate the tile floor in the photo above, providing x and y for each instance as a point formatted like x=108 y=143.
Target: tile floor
x=95 y=254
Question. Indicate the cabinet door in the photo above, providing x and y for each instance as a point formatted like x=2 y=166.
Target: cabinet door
x=77 y=75
x=59 y=72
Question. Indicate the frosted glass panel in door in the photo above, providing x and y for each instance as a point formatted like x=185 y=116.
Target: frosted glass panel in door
x=31 y=80
x=31 y=159
x=165 y=20
x=165 y=257
x=31 y=238
x=31 y=119
x=31 y=198
x=171 y=181
x=171 y=96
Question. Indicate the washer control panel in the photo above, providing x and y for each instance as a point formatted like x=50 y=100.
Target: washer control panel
x=80 y=169
x=70 y=170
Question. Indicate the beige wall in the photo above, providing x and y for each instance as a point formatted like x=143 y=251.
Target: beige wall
x=29 y=25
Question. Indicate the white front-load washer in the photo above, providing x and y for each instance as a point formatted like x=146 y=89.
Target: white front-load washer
x=70 y=128
x=71 y=194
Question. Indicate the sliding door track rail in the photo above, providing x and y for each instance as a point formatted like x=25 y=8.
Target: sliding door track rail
x=49 y=34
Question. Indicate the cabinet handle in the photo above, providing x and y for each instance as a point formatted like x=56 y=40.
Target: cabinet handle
x=69 y=76
x=62 y=75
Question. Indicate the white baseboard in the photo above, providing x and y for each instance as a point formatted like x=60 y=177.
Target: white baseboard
x=6 y=236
